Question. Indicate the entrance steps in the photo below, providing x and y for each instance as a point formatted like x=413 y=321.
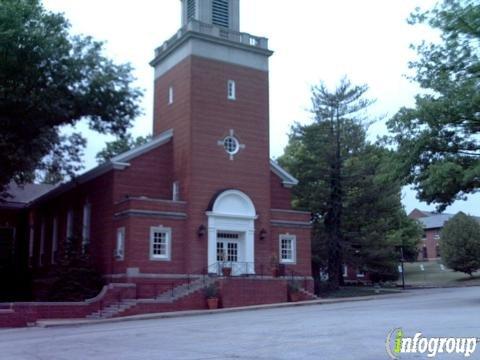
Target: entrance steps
x=168 y=298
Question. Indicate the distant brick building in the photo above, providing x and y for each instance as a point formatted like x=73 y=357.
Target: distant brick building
x=432 y=224
x=203 y=192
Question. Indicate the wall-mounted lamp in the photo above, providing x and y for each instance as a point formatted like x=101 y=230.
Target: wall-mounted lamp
x=263 y=234
x=201 y=231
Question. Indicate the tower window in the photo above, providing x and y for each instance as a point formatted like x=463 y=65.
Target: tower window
x=176 y=191
x=120 y=245
x=191 y=9
x=231 y=90
x=220 y=13
x=170 y=95
x=231 y=145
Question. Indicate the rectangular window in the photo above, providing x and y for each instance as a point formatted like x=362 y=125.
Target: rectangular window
x=288 y=249
x=54 y=239
x=160 y=243
x=176 y=191
x=42 y=243
x=87 y=210
x=231 y=90
x=425 y=253
x=360 y=272
x=220 y=13
x=436 y=236
x=69 y=226
x=170 y=95
x=30 y=244
x=120 y=244
x=345 y=270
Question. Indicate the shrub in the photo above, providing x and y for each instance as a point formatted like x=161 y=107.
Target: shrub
x=75 y=279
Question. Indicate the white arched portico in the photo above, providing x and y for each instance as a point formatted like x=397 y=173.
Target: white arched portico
x=231 y=227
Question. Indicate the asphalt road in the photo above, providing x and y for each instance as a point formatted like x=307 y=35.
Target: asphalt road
x=343 y=331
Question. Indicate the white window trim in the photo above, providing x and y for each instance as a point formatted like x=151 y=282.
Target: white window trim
x=30 y=243
x=87 y=215
x=345 y=271
x=54 y=239
x=170 y=95
x=69 y=226
x=360 y=274
x=231 y=90
x=120 y=245
x=42 y=243
x=168 y=237
x=293 y=238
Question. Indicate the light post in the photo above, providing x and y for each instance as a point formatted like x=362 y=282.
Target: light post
x=402 y=260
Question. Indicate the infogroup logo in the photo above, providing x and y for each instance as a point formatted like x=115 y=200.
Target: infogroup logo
x=397 y=343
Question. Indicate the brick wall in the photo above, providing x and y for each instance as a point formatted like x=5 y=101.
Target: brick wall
x=22 y=313
x=244 y=292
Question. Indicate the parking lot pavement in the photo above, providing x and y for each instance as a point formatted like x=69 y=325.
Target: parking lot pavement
x=341 y=331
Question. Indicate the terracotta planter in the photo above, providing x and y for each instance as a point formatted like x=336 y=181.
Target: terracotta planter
x=226 y=271
x=212 y=303
x=296 y=296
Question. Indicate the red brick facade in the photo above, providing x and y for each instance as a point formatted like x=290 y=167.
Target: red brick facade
x=133 y=194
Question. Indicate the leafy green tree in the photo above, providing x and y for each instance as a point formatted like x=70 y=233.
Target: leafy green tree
x=120 y=145
x=439 y=139
x=50 y=79
x=460 y=244
x=344 y=182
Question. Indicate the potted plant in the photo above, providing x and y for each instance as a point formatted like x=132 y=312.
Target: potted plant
x=294 y=290
x=274 y=265
x=211 y=294
x=226 y=267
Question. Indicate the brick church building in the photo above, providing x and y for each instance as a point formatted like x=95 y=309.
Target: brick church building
x=202 y=195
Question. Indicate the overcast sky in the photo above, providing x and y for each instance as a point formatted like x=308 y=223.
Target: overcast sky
x=313 y=41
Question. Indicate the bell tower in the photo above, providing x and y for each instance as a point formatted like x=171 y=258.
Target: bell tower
x=222 y=13
x=211 y=89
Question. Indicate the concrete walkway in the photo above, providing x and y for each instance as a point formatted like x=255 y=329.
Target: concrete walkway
x=350 y=330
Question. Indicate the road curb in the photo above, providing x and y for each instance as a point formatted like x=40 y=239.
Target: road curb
x=176 y=314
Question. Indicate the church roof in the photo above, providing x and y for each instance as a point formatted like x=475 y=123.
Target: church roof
x=19 y=196
x=36 y=192
x=119 y=162
x=287 y=179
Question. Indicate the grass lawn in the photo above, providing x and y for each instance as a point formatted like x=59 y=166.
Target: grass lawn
x=433 y=273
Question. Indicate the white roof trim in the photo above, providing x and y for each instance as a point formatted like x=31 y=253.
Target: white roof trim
x=287 y=179
x=131 y=154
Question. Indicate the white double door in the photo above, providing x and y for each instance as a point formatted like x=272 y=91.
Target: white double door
x=231 y=251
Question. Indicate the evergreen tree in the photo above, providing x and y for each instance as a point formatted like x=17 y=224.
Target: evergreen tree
x=358 y=216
